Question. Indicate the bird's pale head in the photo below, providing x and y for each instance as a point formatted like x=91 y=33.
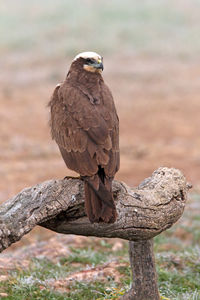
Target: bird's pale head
x=90 y=61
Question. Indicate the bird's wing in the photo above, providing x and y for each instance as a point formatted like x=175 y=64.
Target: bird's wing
x=113 y=122
x=81 y=129
x=64 y=127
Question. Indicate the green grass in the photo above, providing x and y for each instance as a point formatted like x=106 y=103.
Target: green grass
x=85 y=256
x=179 y=276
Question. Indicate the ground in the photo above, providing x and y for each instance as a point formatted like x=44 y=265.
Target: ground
x=152 y=67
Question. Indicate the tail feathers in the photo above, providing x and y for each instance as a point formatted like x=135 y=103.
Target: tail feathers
x=92 y=204
x=99 y=204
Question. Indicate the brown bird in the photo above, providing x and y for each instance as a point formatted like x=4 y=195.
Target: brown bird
x=85 y=125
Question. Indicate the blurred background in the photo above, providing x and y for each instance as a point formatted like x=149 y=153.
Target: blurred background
x=151 y=58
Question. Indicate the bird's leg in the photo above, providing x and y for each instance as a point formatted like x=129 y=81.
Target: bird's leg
x=73 y=177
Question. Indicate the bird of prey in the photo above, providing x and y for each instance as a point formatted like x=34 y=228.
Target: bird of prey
x=85 y=125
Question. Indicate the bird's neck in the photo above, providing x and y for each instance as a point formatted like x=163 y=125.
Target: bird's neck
x=85 y=78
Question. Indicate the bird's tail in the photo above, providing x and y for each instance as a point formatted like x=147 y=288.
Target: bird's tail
x=99 y=203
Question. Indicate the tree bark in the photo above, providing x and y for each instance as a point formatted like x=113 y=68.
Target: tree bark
x=144 y=274
x=143 y=212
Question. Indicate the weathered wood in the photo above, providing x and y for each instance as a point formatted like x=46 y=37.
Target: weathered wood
x=143 y=212
x=144 y=275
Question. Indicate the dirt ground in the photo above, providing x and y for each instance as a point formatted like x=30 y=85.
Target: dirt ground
x=158 y=106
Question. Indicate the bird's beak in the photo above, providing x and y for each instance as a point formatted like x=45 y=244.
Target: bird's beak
x=98 y=65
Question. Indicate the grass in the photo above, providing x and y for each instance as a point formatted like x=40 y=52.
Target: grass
x=179 y=274
x=85 y=256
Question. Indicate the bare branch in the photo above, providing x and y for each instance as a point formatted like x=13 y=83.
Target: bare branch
x=144 y=277
x=143 y=212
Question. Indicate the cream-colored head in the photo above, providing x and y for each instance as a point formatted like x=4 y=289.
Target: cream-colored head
x=93 y=62
x=88 y=54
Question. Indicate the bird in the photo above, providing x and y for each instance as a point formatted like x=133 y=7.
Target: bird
x=85 y=125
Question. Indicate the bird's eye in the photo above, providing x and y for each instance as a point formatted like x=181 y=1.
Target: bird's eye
x=89 y=60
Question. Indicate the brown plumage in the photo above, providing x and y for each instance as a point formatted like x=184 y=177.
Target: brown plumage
x=85 y=125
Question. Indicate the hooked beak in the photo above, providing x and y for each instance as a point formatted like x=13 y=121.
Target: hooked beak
x=98 y=65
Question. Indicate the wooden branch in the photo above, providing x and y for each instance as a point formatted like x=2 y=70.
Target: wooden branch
x=143 y=212
x=144 y=285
